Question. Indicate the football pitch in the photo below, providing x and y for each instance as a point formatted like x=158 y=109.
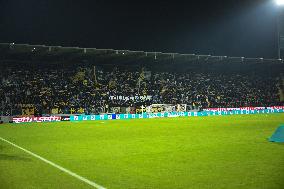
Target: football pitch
x=218 y=152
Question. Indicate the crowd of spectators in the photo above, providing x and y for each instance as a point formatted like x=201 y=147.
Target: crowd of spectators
x=94 y=90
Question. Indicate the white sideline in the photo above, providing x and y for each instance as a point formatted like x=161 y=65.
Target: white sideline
x=57 y=166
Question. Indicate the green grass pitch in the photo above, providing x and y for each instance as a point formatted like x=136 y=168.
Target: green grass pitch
x=220 y=152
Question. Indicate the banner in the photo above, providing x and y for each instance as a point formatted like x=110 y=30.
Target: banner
x=115 y=110
x=172 y=114
x=126 y=98
x=65 y=118
x=229 y=109
x=28 y=109
x=155 y=108
x=36 y=119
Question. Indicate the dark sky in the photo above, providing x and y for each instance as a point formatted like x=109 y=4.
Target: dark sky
x=217 y=27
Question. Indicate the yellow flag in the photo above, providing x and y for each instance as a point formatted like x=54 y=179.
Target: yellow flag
x=72 y=110
x=81 y=110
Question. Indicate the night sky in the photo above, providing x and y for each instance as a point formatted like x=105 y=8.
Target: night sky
x=220 y=27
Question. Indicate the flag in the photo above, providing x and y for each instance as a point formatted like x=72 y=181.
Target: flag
x=79 y=76
x=54 y=111
x=112 y=83
x=208 y=102
x=81 y=110
x=72 y=110
x=28 y=109
x=141 y=77
x=7 y=112
x=85 y=82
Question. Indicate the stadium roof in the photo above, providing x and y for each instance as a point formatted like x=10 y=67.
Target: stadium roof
x=9 y=51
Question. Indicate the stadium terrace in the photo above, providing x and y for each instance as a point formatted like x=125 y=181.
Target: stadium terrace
x=38 y=80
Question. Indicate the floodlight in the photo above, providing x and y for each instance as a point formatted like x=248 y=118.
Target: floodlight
x=280 y=2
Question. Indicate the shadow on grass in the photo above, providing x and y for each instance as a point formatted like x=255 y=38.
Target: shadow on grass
x=14 y=157
x=278 y=143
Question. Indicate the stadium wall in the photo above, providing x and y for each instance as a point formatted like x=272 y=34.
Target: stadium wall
x=213 y=112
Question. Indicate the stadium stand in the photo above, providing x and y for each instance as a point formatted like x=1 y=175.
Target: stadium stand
x=29 y=88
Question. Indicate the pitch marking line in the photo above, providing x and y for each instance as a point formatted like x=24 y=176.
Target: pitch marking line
x=57 y=166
